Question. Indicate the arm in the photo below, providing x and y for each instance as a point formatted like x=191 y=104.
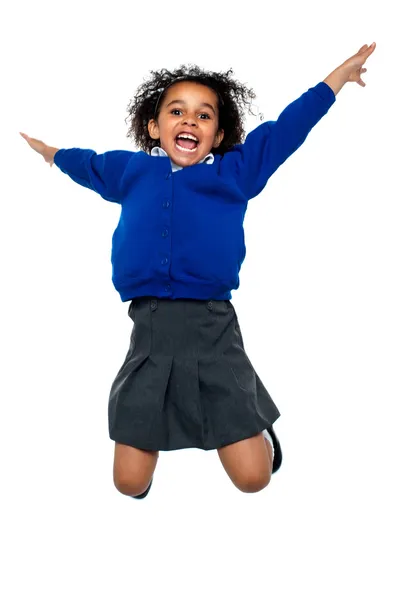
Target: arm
x=270 y=144
x=102 y=173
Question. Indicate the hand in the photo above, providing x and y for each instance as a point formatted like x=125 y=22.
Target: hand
x=352 y=68
x=46 y=151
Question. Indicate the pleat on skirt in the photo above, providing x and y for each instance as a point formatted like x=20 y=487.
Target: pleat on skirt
x=186 y=381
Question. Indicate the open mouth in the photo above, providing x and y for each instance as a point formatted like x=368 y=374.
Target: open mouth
x=186 y=144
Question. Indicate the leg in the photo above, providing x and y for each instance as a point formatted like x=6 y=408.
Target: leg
x=248 y=463
x=133 y=469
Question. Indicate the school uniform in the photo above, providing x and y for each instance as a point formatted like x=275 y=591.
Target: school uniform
x=186 y=381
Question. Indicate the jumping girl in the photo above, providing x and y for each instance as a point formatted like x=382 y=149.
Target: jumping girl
x=186 y=381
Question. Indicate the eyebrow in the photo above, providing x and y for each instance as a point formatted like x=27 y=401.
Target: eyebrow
x=183 y=102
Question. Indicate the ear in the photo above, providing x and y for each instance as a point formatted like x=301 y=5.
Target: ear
x=153 y=129
x=218 y=138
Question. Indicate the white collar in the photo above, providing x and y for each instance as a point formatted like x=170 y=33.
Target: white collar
x=158 y=151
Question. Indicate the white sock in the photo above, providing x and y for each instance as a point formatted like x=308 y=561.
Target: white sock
x=269 y=438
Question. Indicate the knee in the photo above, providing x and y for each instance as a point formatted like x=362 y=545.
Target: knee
x=253 y=482
x=130 y=487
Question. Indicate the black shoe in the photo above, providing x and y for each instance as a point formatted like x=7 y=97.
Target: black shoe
x=278 y=455
x=144 y=494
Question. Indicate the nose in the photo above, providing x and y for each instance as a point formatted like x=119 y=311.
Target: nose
x=190 y=120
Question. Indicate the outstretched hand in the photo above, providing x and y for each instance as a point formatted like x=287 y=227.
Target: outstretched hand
x=353 y=66
x=46 y=151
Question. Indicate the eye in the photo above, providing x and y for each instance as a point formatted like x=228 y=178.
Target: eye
x=178 y=110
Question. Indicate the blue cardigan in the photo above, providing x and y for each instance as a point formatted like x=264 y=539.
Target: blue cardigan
x=180 y=233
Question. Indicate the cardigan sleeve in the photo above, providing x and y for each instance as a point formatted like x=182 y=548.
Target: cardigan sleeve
x=102 y=173
x=270 y=144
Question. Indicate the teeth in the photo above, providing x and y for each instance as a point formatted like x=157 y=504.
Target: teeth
x=187 y=137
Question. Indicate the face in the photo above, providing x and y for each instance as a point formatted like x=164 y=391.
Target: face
x=187 y=107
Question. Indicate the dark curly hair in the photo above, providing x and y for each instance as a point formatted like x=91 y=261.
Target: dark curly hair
x=233 y=97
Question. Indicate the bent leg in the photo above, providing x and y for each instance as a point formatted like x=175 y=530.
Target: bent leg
x=133 y=469
x=248 y=463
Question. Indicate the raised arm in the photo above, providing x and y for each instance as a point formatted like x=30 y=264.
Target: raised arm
x=270 y=144
x=102 y=173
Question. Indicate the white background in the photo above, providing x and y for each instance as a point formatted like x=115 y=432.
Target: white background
x=318 y=308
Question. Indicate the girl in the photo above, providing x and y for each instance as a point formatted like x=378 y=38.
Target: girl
x=186 y=381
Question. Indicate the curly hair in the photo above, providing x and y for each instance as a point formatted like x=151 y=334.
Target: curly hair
x=233 y=97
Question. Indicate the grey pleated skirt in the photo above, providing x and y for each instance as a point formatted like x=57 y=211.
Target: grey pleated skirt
x=186 y=381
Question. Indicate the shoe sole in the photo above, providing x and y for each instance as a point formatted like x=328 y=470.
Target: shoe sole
x=278 y=455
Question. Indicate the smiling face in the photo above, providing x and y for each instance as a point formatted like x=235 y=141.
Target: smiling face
x=187 y=108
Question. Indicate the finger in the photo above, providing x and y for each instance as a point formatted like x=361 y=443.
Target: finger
x=370 y=49
x=32 y=141
x=367 y=49
x=28 y=139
